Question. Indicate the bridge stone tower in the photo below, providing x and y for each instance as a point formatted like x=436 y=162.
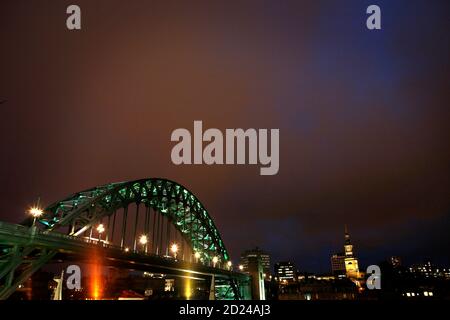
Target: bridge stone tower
x=255 y=269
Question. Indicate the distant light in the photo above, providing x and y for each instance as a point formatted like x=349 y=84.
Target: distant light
x=174 y=248
x=100 y=228
x=127 y=249
x=143 y=239
x=36 y=212
x=215 y=259
x=241 y=267
x=197 y=255
x=229 y=264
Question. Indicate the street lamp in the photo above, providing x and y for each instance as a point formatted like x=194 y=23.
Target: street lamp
x=229 y=264
x=197 y=256
x=35 y=212
x=174 y=249
x=100 y=230
x=143 y=240
x=215 y=260
x=241 y=267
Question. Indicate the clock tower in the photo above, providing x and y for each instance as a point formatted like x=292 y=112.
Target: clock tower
x=351 y=263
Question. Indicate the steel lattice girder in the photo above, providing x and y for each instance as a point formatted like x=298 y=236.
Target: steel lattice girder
x=81 y=210
x=21 y=262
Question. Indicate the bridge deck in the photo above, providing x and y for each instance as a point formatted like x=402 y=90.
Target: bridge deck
x=83 y=249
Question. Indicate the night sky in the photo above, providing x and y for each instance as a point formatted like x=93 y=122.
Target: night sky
x=363 y=115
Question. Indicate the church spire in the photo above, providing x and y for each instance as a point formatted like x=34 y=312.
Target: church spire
x=347 y=235
x=348 y=243
x=351 y=262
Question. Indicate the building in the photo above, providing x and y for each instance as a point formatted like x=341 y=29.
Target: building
x=429 y=270
x=351 y=262
x=319 y=288
x=262 y=256
x=395 y=261
x=285 y=271
x=338 y=264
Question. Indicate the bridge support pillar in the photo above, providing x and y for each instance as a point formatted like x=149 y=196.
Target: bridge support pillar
x=256 y=271
x=212 y=289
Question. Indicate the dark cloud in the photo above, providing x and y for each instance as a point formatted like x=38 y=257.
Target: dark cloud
x=363 y=116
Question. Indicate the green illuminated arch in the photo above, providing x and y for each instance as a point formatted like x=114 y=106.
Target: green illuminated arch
x=82 y=210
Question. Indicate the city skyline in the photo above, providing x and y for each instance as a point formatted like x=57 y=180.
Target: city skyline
x=411 y=261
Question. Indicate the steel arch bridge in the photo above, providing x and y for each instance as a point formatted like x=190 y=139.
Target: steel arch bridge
x=163 y=210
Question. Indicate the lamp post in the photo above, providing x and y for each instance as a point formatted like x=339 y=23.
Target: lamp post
x=229 y=265
x=143 y=240
x=214 y=261
x=197 y=256
x=174 y=249
x=100 y=230
x=35 y=212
